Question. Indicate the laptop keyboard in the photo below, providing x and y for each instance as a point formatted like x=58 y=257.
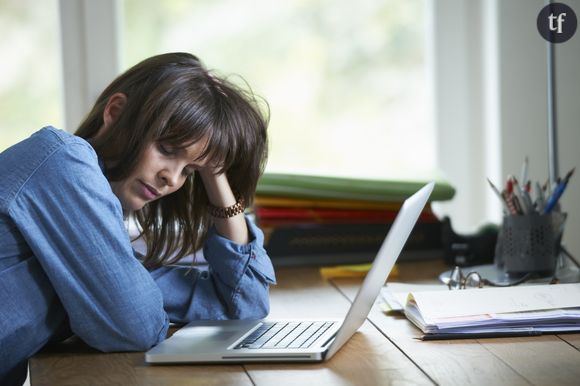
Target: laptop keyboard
x=285 y=335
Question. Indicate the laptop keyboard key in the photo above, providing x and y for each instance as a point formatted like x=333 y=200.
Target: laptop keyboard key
x=311 y=330
x=275 y=340
x=266 y=336
x=317 y=335
x=291 y=337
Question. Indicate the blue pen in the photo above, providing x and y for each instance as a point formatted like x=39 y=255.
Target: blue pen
x=557 y=193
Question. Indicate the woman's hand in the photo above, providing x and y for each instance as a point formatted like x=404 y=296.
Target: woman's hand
x=220 y=194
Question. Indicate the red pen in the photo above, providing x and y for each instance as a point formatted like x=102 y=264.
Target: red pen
x=510 y=185
x=507 y=198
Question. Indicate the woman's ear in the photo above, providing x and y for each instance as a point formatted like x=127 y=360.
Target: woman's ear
x=113 y=109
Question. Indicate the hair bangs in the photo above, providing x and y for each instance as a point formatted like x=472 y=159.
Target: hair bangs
x=183 y=121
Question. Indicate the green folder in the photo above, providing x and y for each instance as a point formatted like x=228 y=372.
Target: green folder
x=348 y=188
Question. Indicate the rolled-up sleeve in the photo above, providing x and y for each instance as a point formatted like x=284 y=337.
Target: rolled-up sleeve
x=235 y=285
x=73 y=224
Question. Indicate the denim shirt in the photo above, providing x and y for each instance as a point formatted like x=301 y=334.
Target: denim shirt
x=66 y=261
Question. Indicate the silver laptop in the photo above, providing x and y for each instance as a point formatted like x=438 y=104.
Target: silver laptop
x=301 y=340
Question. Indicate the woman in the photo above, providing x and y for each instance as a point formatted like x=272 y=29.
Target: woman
x=169 y=144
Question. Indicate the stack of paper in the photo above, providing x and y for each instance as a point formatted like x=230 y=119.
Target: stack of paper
x=522 y=310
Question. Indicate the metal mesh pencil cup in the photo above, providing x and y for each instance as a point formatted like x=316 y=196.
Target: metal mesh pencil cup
x=530 y=243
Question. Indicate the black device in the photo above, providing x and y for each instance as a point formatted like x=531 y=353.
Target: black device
x=468 y=249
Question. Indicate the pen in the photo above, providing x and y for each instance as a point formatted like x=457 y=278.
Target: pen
x=513 y=203
x=523 y=196
x=524 y=175
x=507 y=199
x=501 y=198
x=539 y=198
x=545 y=186
x=557 y=193
x=555 y=185
x=569 y=174
x=477 y=335
x=517 y=205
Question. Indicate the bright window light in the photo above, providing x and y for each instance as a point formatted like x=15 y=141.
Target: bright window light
x=30 y=84
x=345 y=81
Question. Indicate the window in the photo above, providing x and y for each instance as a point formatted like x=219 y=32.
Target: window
x=30 y=85
x=345 y=81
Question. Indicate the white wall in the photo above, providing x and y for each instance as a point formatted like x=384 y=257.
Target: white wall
x=491 y=101
x=524 y=99
x=568 y=69
x=457 y=56
x=90 y=53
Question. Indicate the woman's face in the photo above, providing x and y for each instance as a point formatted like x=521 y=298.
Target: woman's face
x=162 y=170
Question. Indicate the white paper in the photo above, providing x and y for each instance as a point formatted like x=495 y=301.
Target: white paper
x=434 y=305
x=395 y=294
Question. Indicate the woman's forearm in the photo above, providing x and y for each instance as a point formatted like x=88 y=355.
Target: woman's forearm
x=220 y=194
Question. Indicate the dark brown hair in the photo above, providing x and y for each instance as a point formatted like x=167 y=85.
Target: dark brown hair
x=173 y=99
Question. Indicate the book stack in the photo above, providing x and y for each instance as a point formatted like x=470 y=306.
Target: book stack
x=316 y=220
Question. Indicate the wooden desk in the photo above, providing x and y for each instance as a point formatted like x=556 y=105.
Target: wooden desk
x=384 y=351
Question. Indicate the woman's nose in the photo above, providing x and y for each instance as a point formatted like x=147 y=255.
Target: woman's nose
x=170 y=177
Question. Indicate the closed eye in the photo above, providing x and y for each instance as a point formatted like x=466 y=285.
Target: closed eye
x=165 y=150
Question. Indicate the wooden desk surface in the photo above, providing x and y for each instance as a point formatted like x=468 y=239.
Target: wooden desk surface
x=384 y=351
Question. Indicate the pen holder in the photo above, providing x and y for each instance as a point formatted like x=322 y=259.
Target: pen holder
x=530 y=243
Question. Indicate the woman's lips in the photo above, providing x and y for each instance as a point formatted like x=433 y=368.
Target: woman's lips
x=149 y=192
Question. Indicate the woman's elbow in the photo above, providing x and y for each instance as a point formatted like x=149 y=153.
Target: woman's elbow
x=148 y=332
x=130 y=334
x=144 y=340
